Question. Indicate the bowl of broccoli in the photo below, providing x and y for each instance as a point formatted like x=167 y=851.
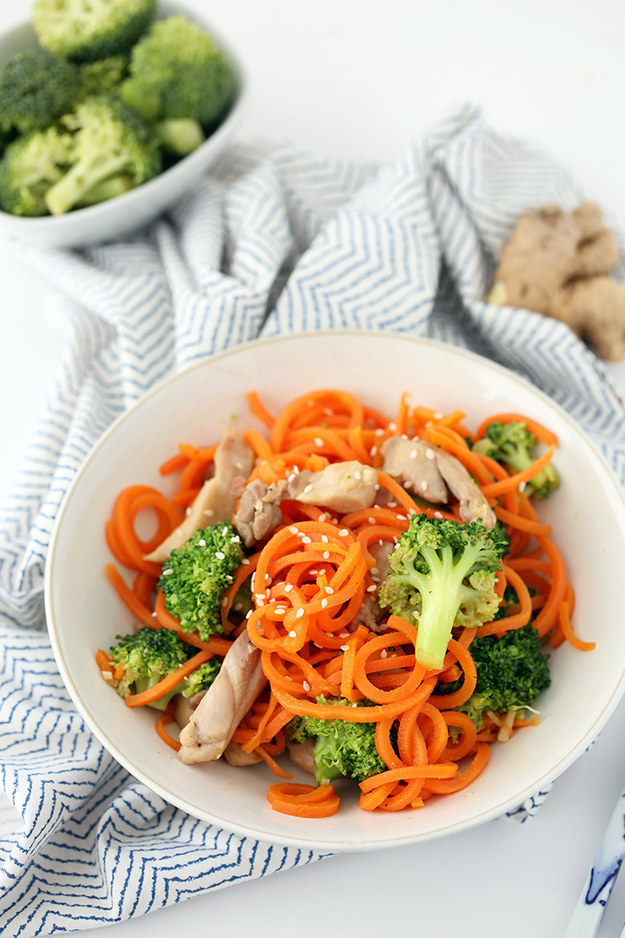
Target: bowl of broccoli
x=106 y=121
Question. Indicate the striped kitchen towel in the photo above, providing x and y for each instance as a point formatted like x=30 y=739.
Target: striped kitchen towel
x=273 y=241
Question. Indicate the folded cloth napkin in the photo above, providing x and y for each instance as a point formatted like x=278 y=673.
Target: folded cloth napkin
x=273 y=241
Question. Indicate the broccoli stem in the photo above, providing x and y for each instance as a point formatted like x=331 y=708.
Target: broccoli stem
x=109 y=189
x=442 y=592
x=180 y=136
x=81 y=178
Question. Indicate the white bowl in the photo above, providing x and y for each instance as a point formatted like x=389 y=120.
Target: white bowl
x=119 y=216
x=587 y=514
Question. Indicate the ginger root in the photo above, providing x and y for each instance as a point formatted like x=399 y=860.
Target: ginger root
x=558 y=263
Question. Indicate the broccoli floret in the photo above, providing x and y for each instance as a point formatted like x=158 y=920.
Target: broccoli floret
x=202 y=678
x=179 y=136
x=148 y=656
x=104 y=76
x=511 y=444
x=30 y=166
x=341 y=748
x=109 y=140
x=177 y=70
x=196 y=575
x=35 y=89
x=109 y=189
x=85 y=31
x=442 y=574
x=511 y=672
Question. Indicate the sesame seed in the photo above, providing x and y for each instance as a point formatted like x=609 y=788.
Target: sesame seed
x=395 y=539
x=318 y=441
x=238 y=607
x=358 y=474
x=413 y=454
x=379 y=432
x=354 y=705
x=374 y=570
x=343 y=532
x=224 y=602
x=384 y=653
x=383 y=626
x=344 y=647
x=235 y=540
x=295 y=470
x=299 y=613
x=522 y=486
x=392 y=427
x=187 y=511
x=371 y=520
x=288 y=587
x=437 y=514
x=324 y=603
x=322 y=518
x=248 y=614
x=329 y=590
x=374 y=451
x=343 y=634
x=306 y=539
x=259 y=597
x=391 y=505
x=324 y=538
x=306 y=686
x=209 y=512
x=167 y=572
x=371 y=589
x=438 y=415
x=293 y=529
x=401 y=517
x=292 y=634
x=429 y=453
x=423 y=486
x=267 y=578
x=307 y=489
x=153 y=615
x=328 y=411
x=219 y=554
x=326 y=555
x=280 y=610
x=245 y=562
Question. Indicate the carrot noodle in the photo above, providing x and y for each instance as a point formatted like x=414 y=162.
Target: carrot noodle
x=166 y=718
x=310 y=579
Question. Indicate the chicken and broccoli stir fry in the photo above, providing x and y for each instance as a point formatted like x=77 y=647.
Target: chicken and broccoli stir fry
x=373 y=596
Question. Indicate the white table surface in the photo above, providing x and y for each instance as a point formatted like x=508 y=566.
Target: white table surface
x=359 y=78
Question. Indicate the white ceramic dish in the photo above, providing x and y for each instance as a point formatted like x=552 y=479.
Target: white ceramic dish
x=588 y=517
x=126 y=213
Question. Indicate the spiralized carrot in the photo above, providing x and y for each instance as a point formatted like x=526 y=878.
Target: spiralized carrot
x=311 y=579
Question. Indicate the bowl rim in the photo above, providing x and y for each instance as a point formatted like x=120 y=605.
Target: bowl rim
x=297 y=839
x=17 y=225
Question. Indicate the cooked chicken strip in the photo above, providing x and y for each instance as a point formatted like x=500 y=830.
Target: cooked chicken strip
x=412 y=463
x=302 y=755
x=230 y=696
x=234 y=754
x=218 y=497
x=341 y=486
x=473 y=505
x=259 y=512
x=432 y=473
x=370 y=612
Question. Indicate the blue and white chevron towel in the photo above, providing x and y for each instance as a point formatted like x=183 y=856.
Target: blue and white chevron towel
x=275 y=241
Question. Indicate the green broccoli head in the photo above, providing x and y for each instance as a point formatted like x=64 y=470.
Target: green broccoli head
x=177 y=70
x=73 y=29
x=442 y=574
x=511 y=672
x=30 y=166
x=341 y=748
x=148 y=656
x=108 y=141
x=202 y=678
x=511 y=444
x=35 y=89
x=195 y=576
x=104 y=76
